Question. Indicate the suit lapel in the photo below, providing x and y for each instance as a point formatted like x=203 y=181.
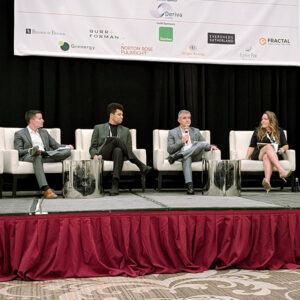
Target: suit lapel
x=27 y=135
x=179 y=133
x=42 y=137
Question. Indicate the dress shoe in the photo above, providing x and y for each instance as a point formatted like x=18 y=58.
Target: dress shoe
x=49 y=194
x=145 y=169
x=172 y=158
x=33 y=151
x=266 y=185
x=114 y=187
x=283 y=177
x=190 y=188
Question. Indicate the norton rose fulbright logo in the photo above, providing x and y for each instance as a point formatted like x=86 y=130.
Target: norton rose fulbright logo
x=274 y=41
x=64 y=46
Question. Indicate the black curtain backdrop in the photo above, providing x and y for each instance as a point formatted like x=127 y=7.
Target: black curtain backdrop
x=74 y=93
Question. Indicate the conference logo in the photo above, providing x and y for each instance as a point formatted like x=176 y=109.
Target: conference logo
x=165 y=10
x=44 y=32
x=220 y=38
x=248 y=54
x=166 y=34
x=64 y=46
x=102 y=34
x=193 y=51
x=135 y=50
x=263 y=41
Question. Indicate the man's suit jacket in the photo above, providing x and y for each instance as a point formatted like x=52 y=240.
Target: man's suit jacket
x=100 y=134
x=22 y=141
x=175 y=143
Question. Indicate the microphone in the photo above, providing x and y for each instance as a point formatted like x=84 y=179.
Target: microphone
x=186 y=131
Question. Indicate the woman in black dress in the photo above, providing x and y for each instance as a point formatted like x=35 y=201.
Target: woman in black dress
x=270 y=133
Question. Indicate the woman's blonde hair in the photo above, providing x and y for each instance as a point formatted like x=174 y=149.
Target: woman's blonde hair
x=273 y=124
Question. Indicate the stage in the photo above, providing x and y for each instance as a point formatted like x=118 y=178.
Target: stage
x=150 y=201
x=139 y=233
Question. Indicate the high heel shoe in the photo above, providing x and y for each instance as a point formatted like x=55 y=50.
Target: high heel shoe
x=266 y=185
x=283 y=177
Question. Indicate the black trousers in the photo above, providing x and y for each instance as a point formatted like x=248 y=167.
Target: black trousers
x=115 y=150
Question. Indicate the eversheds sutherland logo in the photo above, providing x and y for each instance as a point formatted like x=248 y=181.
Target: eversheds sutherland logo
x=221 y=38
x=64 y=46
x=165 y=10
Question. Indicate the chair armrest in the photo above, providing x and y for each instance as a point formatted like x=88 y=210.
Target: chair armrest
x=158 y=158
x=75 y=155
x=233 y=154
x=11 y=160
x=212 y=155
x=290 y=155
x=1 y=161
x=141 y=155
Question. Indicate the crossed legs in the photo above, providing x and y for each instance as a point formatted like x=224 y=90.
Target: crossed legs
x=270 y=160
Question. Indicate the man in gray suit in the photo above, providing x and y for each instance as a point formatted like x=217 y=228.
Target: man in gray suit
x=112 y=141
x=186 y=144
x=33 y=144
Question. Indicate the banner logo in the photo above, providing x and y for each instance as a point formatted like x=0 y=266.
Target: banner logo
x=166 y=34
x=274 y=41
x=64 y=46
x=221 y=38
x=165 y=10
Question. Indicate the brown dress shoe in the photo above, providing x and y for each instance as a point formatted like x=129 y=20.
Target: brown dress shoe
x=49 y=194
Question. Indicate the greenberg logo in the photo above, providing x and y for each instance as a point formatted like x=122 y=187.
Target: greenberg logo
x=165 y=10
x=221 y=38
x=166 y=34
x=64 y=46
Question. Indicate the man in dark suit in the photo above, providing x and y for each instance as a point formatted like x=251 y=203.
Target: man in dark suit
x=185 y=143
x=33 y=142
x=113 y=142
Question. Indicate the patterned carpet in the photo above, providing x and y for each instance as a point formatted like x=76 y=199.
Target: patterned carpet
x=225 y=285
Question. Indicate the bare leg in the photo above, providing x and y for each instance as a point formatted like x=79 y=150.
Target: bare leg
x=268 y=167
x=269 y=151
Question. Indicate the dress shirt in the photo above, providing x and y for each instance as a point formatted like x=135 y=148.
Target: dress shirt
x=189 y=143
x=36 y=139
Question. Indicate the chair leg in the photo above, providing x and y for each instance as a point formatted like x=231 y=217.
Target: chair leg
x=14 y=189
x=159 y=181
x=293 y=182
x=143 y=179
x=1 y=185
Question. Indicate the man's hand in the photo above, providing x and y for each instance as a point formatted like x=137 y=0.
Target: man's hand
x=214 y=148
x=95 y=157
x=71 y=147
x=184 y=139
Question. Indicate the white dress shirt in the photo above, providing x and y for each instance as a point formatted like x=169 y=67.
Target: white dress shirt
x=36 y=139
x=189 y=143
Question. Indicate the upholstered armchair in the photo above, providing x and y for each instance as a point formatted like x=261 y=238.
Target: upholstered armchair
x=238 y=144
x=83 y=143
x=20 y=169
x=160 y=154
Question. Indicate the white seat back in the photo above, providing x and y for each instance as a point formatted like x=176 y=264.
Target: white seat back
x=83 y=141
x=239 y=142
x=160 y=139
x=9 y=133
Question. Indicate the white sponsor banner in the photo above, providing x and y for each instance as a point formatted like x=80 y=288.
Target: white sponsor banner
x=260 y=32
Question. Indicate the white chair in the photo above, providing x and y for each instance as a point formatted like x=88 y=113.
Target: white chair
x=83 y=143
x=239 y=142
x=19 y=169
x=160 y=154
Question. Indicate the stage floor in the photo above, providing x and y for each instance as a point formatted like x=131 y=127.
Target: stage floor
x=150 y=201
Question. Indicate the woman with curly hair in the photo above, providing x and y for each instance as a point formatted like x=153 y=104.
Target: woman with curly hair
x=271 y=134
